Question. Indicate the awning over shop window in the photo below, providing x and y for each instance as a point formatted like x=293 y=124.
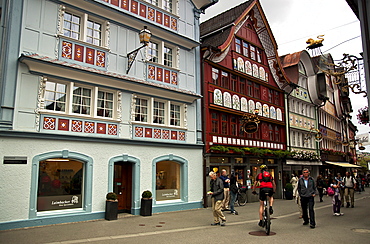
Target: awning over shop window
x=296 y=162
x=343 y=164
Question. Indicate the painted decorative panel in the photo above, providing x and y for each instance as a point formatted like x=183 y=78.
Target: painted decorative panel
x=217 y=97
x=259 y=107
x=244 y=104
x=151 y=13
x=272 y=112
x=167 y=21
x=134 y=7
x=68 y=125
x=142 y=10
x=159 y=17
x=156 y=73
x=125 y=4
x=227 y=100
x=252 y=106
x=159 y=134
x=266 y=111
x=279 y=115
x=236 y=102
x=83 y=54
x=245 y=66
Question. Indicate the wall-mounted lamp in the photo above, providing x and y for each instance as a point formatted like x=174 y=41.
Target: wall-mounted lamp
x=144 y=36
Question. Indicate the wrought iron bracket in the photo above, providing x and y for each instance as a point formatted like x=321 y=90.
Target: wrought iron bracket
x=132 y=56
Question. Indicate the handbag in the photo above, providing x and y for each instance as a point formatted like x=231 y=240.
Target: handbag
x=330 y=191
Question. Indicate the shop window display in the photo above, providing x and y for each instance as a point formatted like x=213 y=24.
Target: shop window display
x=168 y=180
x=60 y=184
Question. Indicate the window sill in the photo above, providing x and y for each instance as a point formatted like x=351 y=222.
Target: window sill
x=163 y=66
x=77 y=116
x=158 y=125
x=60 y=212
x=84 y=43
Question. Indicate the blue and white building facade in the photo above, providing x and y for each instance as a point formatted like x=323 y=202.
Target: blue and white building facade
x=75 y=123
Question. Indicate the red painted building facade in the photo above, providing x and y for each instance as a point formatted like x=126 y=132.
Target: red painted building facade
x=242 y=75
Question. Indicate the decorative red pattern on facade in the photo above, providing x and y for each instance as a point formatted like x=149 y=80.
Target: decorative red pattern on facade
x=142 y=10
x=174 y=78
x=114 y=2
x=148 y=132
x=151 y=72
x=79 y=53
x=159 y=74
x=125 y=4
x=101 y=128
x=181 y=136
x=167 y=76
x=134 y=7
x=100 y=59
x=89 y=127
x=66 y=50
x=63 y=124
x=174 y=24
x=159 y=17
x=166 y=20
x=165 y=134
x=139 y=131
x=90 y=55
x=76 y=125
x=49 y=123
x=112 y=129
x=173 y=135
x=157 y=133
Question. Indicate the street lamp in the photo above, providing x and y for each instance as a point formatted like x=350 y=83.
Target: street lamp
x=144 y=36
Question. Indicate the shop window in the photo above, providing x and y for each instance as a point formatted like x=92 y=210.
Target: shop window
x=60 y=184
x=168 y=180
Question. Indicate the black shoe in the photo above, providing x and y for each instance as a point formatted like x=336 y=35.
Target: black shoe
x=347 y=205
x=305 y=223
x=321 y=200
x=352 y=206
x=312 y=226
x=236 y=212
x=213 y=224
x=260 y=223
x=271 y=210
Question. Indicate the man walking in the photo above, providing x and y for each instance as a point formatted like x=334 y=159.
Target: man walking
x=217 y=193
x=306 y=190
x=349 y=188
x=226 y=181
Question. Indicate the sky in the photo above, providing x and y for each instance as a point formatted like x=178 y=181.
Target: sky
x=292 y=22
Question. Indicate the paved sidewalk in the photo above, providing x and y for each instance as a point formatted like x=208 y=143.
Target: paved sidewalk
x=182 y=224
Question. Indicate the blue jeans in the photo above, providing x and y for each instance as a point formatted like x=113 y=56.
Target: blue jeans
x=232 y=201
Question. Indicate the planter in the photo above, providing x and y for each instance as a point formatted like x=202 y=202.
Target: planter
x=111 y=210
x=288 y=195
x=146 y=207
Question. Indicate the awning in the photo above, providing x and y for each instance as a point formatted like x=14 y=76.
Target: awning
x=343 y=164
x=296 y=162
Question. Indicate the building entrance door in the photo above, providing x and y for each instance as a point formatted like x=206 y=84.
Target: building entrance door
x=123 y=186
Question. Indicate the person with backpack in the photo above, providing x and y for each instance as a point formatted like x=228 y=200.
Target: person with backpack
x=349 y=189
x=266 y=183
x=335 y=196
x=307 y=191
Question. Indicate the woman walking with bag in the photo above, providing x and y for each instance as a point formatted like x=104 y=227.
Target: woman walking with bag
x=336 y=197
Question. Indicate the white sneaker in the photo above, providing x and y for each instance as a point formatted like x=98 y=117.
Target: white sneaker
x=341 y=214
x=336 y=214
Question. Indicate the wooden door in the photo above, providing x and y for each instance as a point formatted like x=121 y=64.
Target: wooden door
x=123 y=185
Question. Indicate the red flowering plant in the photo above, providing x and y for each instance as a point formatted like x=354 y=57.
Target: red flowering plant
x=363 y=115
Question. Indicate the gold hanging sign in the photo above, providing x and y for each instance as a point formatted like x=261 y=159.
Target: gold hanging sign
x=250 y=122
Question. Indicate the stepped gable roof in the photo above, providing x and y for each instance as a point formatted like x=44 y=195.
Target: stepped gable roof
x=216 y=30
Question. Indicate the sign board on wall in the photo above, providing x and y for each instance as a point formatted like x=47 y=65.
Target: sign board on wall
x=363 y=138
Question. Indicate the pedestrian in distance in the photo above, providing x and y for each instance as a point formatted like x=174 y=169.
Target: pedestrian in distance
x=320 y=186
x=336 y=198
x=349 y=183
x=306 y=190
x=298 y=199
x=233 y=192
x=339 y=179
x=294 y=182
x=217 y=193
x=226 y=181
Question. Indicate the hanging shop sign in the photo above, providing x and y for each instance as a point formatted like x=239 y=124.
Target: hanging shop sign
x=250 y=122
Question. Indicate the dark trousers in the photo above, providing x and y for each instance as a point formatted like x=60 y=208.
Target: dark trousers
x=321 y=194
x=307 y=204
x=337 y=204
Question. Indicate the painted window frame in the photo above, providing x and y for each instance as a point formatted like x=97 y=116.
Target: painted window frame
x=87 y=184
x=93 y=104
x=183 y=179
x=84 y=25
x=151 y=101
x=162 y=57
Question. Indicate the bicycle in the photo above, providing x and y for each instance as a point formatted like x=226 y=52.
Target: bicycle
x=266 y=214
x=241 y=196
